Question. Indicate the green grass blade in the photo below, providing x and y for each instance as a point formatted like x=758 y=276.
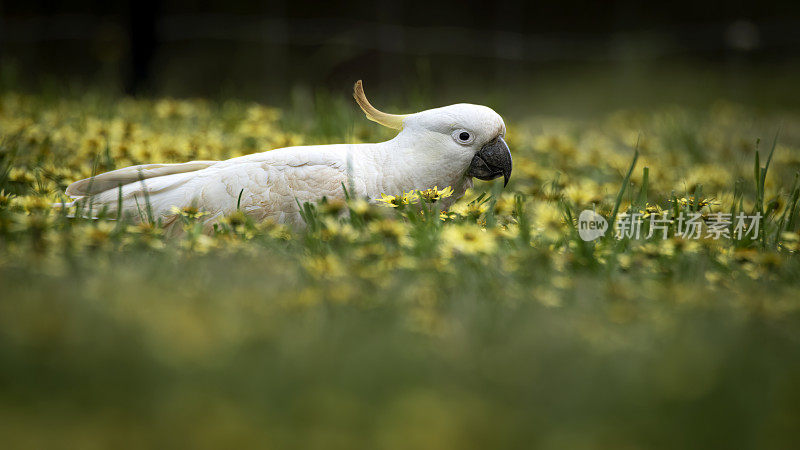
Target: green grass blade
x=620 y=195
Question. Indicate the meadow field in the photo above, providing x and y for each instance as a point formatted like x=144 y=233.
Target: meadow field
x=398 y=325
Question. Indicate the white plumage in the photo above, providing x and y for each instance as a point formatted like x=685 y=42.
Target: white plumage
x=428 y=151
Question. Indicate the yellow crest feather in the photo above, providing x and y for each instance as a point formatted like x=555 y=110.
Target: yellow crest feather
x=394 y=121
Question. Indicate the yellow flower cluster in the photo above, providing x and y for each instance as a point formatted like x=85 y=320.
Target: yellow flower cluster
x=557 y=174
x=431 y=195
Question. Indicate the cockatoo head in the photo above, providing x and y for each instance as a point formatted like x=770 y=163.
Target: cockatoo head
x=468 y=137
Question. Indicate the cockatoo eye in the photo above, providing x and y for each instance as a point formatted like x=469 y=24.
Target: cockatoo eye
x=463 y=137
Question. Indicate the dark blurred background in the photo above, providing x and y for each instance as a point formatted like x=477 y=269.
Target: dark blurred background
x=549 y=57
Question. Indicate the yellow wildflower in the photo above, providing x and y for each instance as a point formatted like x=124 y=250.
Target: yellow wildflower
x=694 y=203
x=547 y=219
x=471 y=210
x=434 y=194
x=20 y=175
x=651 y=210
x=5 y=198
x=332 y=207
x=199 y=243
x=359 y=206
x=394 y=201
x=391 y=230
x=409 y=197
x=326 y=266
x=468 y=239
x=335 y=229
x=189 y=212
x=236 y=220
x=391 y=201
x=504 y=204
x=32 y=204
x=99 y=234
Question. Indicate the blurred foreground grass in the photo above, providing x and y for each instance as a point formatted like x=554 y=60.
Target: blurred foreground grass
x=490 y=325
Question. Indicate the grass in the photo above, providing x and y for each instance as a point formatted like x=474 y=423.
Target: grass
x=489 y=325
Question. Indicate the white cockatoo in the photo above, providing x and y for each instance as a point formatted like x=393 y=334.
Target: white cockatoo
x=441 y=147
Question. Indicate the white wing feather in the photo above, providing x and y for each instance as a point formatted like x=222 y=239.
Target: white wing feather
x=121 y=177
x=270 y=184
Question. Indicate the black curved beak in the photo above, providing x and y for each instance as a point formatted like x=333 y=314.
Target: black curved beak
x=493 y=160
